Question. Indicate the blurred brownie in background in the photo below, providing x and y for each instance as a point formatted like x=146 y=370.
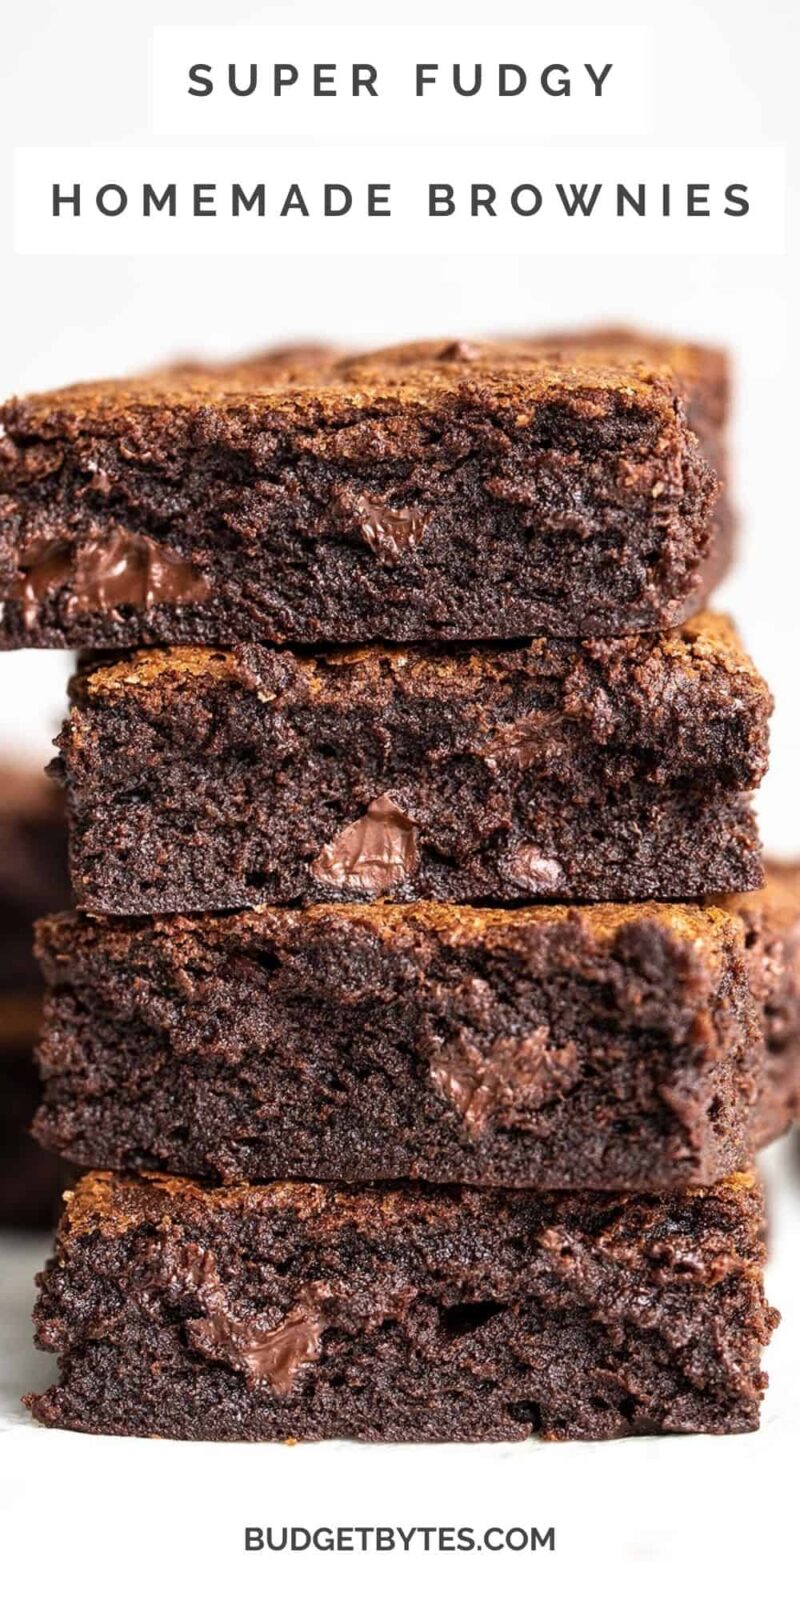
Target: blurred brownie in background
x=33 y=878
x=772 y=921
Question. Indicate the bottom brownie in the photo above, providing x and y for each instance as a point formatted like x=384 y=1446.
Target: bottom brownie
x=301 y=1311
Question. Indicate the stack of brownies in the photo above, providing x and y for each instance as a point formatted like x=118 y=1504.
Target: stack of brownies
x=423 y=1003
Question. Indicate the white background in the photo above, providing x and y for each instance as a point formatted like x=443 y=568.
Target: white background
x=127 y=1517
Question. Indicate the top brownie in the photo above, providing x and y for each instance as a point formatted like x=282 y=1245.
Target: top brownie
x=432 y=491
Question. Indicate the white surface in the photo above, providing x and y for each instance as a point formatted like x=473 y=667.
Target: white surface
x=89 y=1515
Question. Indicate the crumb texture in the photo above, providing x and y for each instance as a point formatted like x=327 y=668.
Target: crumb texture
x=403 y=1314
x=559 y=770
x=607 y=1047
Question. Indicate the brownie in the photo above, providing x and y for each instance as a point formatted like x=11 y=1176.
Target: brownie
x=608 y=1047
x=702 y=370
x=31 y=1178
x=434 y=491
x=33 y=879
x=33 y=869
x=600 y=769
x=772 y=922
x=296 y=1311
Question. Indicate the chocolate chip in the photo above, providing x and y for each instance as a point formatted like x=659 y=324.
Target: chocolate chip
x=390 y=534
x=265 y=1355
x=529 y=869
x=504 y=1081
x=375 y=854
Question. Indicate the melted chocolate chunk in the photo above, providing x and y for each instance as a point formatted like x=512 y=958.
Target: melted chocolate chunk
x=126 y=569
x=539 y=874
x=375 y=854
x=49 y=569
x=504 y=1085
x=265 y=1355
x=389 y=534
x=273 y=1355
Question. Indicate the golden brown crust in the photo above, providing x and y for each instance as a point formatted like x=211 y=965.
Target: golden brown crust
x=707 y=642
x=108 y=1203
x=512 y=369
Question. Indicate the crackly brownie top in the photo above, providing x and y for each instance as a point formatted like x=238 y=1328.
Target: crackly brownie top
x=706 y=645
x=720 y=1216
x=590 y=379
x=707 y=933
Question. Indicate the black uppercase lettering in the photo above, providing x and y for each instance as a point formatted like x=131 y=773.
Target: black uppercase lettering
x=151 y=201
x=560 y=76
x=364 y=78
x=543 y=1541
x=203 y=199
x=625 y=197
x=579 y=201
x=440 y=200
x=508 y=86
x=697 y=200
x=483 y=199
x=257 y=201
x=200 y=74
x=253 y=1539
x=104 y=204
x=60 y=199
x=323 y=79
x=738 y=204
x=517 y=196
x=345 y=199
x=598 y=78
x=378 y=199
x=248 y=88
x=294 y=202
x=284 y=76
x=426 y=75
x=666 y=199
x=467 y=89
